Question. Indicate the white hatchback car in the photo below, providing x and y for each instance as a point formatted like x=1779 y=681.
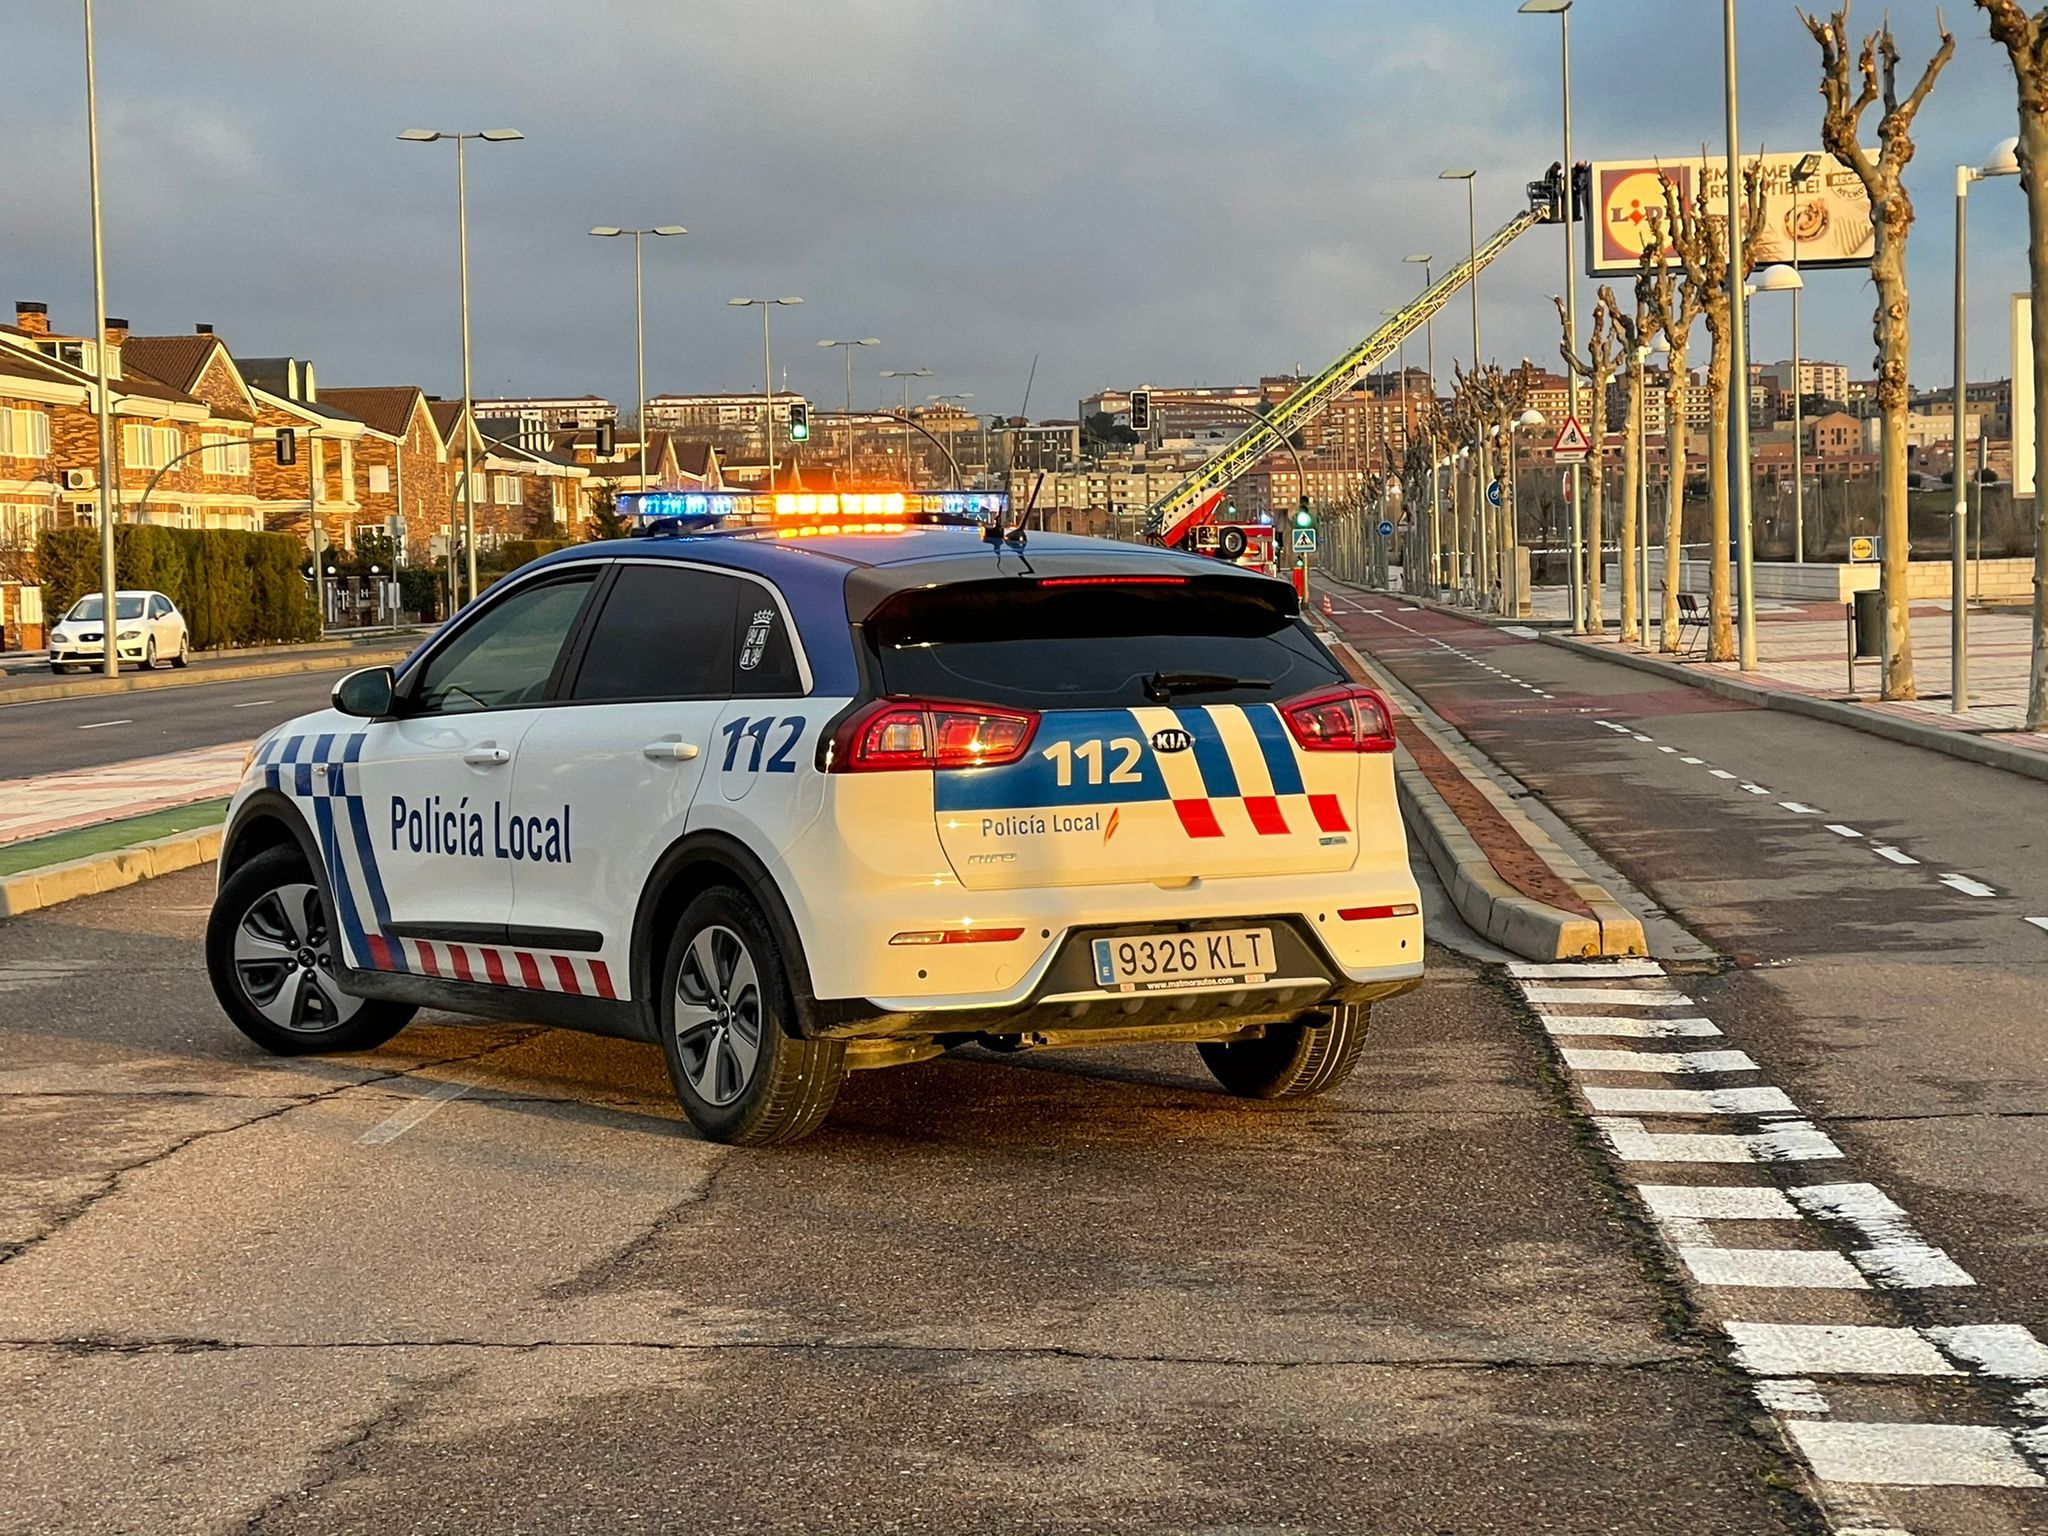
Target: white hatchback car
x=147 y=628
x=793 y=801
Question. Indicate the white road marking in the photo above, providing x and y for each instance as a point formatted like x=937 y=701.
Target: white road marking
x=1695 y=761
x=1755 y=789
x=1886 y=851
x=1717 y=1202
x=1618 y=1028
x=2005 y=1350
x=1523 y=630
x=1842 y=831
x=1799 y=1269
x=1894 y=1253
x=1689 y=1101
x=1797 y=809
x=1668 y=1062
x=1967 y=886
x=254 y=702
x=1792 y=1395
x=1672 y=750
x=1788 y=1141
x=1912 y=1455
x=1617 y=997
x=1821 y=1349
x=2039 y=922
x=1641 y=737
x=1583 y=970
x=1721 y=773
x=101 y=725
x=412 y=1114
x=1910 y=1266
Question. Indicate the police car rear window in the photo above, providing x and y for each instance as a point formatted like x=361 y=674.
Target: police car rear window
x=1091 y=647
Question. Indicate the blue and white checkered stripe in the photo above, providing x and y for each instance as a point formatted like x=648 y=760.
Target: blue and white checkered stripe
x=321 y=771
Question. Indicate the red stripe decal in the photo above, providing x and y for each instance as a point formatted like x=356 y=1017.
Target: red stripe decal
x=494 y=967
x=461 y=958
x=380 y=951
x=1198 y=818
x=1329 y=813
x=565 y=972
x=427 y=961
x=601 y=977
x=1265 y=814
x=528 y=971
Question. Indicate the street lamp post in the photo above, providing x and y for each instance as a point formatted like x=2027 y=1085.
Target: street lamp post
x=1803 y=173
x=1561 y=9
x=846 y=351
x=767 y=376
x=492 y=136
x=1424 y=260
x=1642 y=551
x=1528 y=421
x=1738 y=364
x=606 y=232
x=109 y=500
x=2003 y=161
x=959 y=400
x=1786 y=279
x=906 y=375
x=1469 y=177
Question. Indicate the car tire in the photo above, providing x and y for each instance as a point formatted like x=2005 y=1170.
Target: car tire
x=184 y=656
x=149 y=655
x=726 y=1013
x=271 y=956
x=1292 y=1061
x=58 y=668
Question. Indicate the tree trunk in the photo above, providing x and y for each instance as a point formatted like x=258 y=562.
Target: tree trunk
x=1674 y=493
x=1888 y=272
x=1595 y=471
x=1721 y=636
x=2034 y=161
x=1631 y=484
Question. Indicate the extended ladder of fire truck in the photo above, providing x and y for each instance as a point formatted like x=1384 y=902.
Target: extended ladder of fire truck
x=1195 y=499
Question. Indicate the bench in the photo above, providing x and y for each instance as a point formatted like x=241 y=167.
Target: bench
x=1691 y=616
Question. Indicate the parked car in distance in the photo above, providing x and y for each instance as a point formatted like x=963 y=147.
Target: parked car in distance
x=147 y=629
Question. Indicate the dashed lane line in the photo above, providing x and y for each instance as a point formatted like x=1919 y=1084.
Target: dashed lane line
x=1800 y=808
x=101 y=725
x=1886 y=851
x=2039 y=922
x=1595 y=1059
x=1840 y=830
x=1967 y=886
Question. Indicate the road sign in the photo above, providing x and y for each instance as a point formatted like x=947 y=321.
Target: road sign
x=1386 y=530
x=1862 y=548
x=1304 y=541
x=1571 y=446
x=1493 y=493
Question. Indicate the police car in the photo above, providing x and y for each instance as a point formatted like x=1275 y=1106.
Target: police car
x=792 y=801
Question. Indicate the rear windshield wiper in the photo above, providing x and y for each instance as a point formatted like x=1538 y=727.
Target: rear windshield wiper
x=1162 y=686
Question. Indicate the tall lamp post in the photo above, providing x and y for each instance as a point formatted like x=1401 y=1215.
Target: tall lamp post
x=846 y=351
x=1528 y=421
x=2002 y=161
x=1784 y=279
x=103 y=409
x=1804 y=171
x=767 y=376
x=607 y=232
x=490 y=136
x=1561 y=9
x=1424 y=260
x=1738 y=365
x=906 y=375
x=961 y=401
x=1469 y=177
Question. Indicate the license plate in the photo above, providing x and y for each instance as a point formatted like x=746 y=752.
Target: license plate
x=1159 y=962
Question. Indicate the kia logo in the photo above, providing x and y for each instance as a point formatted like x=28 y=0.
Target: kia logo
x=1172 y=739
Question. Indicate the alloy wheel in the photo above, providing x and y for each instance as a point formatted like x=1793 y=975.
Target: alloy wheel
x=718 y=1015
x=284 y=960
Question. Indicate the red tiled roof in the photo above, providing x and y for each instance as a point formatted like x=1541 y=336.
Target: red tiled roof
x=177 y=360
x=386 y=407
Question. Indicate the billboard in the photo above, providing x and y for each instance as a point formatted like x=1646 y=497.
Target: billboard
x=1826 y=219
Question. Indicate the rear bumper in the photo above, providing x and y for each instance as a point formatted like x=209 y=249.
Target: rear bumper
x=1064 y=998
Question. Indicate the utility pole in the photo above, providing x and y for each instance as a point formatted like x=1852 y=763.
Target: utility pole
x=109 y=465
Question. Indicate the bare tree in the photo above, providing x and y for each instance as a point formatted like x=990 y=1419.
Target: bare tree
x=1465 y=426
x=2025 y=39
x=1603 y=352
x=1675 y=308
x=1701 y=243
x=1891 y=216
x=1629 y=340
x=1499 y=396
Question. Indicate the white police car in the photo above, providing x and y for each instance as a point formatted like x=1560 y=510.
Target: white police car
x=792 y=806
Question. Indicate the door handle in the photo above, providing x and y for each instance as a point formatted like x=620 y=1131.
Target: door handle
x=670 y=749
x=486 y=756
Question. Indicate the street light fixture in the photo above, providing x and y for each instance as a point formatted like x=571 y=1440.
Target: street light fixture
x=491 y=136
x=609 y=232
x=906 y=375
x=768 y=376
x=2002 y=161
x=846 y=351
x=1425 y=261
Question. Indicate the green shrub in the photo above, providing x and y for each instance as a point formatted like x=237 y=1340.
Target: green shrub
x=234 y=588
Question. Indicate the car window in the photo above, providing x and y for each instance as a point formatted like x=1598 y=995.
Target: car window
x=665 y=632
x=158 y=607
x=504 y=657
x=125 y=607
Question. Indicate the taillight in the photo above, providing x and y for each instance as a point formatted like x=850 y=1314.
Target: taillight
x=927 y=733
x=1343 y=719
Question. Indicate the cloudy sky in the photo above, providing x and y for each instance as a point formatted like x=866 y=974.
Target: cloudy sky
x=1173 y=191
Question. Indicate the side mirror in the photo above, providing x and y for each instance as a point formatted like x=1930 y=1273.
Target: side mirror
x=367 y=693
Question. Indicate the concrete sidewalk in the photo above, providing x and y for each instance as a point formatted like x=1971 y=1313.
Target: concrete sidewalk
x=59 y=802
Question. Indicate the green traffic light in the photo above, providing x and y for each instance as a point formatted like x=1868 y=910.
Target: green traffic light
x=1303 y=517
x=799 y=431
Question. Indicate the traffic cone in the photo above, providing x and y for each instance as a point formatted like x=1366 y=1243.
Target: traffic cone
x=1328 y=611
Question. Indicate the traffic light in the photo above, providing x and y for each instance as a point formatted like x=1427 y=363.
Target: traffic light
x=1141 y=410
x=799 y=421
x=287 y=446
x=607 y=438
x=1303 y=518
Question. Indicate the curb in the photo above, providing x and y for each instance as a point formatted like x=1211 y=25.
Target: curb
x=133 y=682
x=1493 y=908
x=33 y=889
x=1969 y=748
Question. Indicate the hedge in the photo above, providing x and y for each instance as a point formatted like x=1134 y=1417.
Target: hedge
x=234 y=588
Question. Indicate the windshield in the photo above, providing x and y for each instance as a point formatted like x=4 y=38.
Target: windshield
x=1095 y=647
x=126 y=606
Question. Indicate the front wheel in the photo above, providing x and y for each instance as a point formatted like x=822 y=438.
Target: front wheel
x=1292 y=1061
x=271 y=956
x=149 y=655
x=726 y=1012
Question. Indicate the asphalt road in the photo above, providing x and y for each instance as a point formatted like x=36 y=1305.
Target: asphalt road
x=484 y=1280
x=58 y=735
x=1874 y=897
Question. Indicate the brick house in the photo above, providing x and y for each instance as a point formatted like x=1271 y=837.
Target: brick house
x=408 y=487
x=30 y=483
x=218 y=483
x=1836 y=435
x=551 y=491
x=333 y=453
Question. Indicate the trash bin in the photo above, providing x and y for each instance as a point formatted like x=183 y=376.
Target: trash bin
x=1869 y=623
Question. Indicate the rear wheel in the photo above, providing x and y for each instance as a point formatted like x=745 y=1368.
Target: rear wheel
x=726 y=1012
x=1292 y=1061
x=271 y=955
x=184 y=656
